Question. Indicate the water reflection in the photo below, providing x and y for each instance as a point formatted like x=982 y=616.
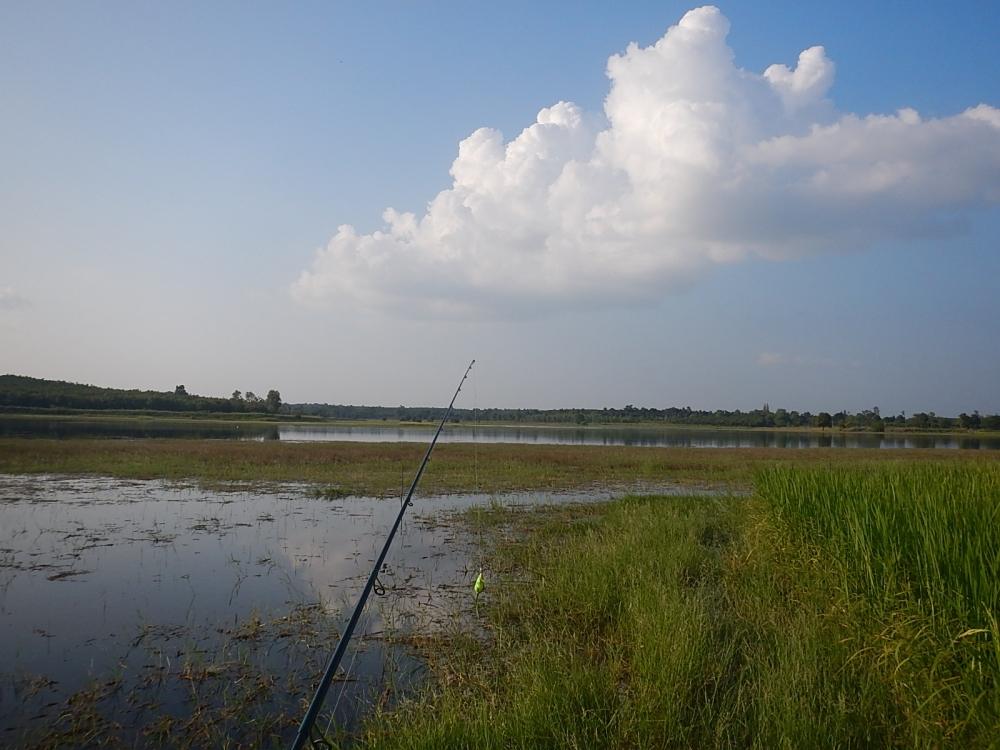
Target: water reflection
x=144 y=596
x=645 y=436
x=21 y=427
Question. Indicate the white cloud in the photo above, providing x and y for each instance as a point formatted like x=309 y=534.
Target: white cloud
x=696 y=163
x=11 y=300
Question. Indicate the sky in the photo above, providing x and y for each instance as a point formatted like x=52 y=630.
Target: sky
x=656 y=204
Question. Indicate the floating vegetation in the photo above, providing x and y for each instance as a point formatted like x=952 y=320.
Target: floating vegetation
x=146 y=613
x=331 y=493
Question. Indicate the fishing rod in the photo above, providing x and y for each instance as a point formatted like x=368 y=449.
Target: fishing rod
x=309 y=720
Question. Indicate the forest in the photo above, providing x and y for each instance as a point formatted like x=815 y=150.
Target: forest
x=18 y=392
x=21 y=392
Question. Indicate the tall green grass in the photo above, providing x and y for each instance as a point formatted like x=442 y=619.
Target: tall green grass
x=598 y=623
x=929 y=531
x=915 y=553
x=845 y=607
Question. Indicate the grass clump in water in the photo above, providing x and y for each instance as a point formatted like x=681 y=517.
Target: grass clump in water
x=331 y=493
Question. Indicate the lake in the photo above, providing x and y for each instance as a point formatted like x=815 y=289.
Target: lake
x=155 y=612
x=644 y=436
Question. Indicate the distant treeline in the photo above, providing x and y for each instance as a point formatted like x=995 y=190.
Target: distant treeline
x=25 y=392
x=17 y=391
x=869 y=419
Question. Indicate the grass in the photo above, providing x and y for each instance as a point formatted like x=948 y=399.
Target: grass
x=916 y=556
x=597 y=617
x=380 y=468
x=844 y=606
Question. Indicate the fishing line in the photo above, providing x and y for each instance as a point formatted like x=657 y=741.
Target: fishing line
x=475 y=430
x=347 y=674
x=309 y=720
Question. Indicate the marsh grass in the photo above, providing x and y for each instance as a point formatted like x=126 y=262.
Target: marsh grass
x=930 y=531
x=186 y=696
x=331 y=493
x=915 y=557
x=851 y=607
x=377 y=468
x=592 y=616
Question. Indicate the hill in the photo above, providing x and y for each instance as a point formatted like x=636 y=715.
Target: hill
x=19 y=391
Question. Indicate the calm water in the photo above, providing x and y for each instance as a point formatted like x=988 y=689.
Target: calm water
x=598 y=435
x=141 y=601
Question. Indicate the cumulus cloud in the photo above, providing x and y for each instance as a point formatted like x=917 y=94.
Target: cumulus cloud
x=10 y=299
x=695 y=163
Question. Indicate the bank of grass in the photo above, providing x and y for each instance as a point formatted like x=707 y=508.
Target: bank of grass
x=380 y=468
x=851 y=607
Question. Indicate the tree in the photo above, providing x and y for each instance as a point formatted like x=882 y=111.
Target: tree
x=180 y=391
x=823 y=419
x=969 y=421
x=273 y=401
x=237 y=396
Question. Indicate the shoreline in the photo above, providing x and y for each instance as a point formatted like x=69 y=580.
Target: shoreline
x=194 y=418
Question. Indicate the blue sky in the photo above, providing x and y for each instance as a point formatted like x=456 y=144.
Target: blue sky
x=170 y=172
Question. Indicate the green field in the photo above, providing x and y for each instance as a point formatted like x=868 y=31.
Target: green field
x=850 y=607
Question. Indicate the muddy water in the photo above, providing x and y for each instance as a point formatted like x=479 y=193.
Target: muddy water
x=163 y=614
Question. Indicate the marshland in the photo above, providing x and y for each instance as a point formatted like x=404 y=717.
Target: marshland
x=184 y=592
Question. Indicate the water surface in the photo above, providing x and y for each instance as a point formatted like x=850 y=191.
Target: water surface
x=167 y=608
x=644 y=436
